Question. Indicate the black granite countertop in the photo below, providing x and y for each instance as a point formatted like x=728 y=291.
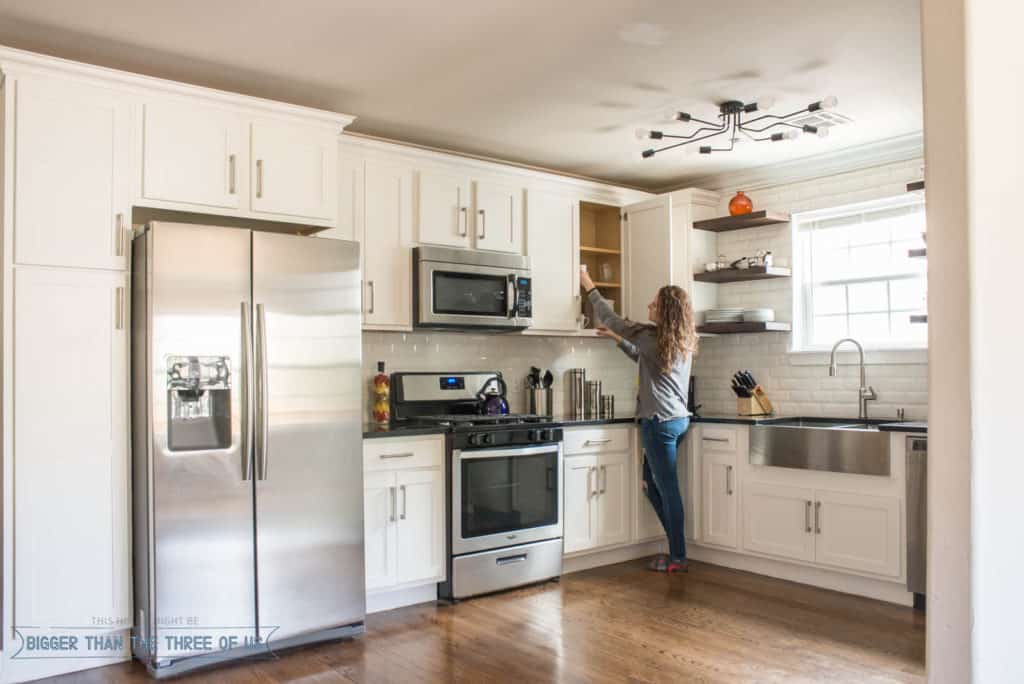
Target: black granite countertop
x=373 y=430
x=908 y=426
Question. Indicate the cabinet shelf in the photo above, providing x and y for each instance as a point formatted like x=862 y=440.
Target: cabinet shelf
x=736 y=275
x=598 y=283
x=751 y=220
x=743 y=327
x=599 y=250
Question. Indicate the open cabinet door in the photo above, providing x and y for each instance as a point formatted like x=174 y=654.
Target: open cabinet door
x=647 y=230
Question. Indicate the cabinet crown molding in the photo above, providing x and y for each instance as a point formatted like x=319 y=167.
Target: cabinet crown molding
x=15 y=62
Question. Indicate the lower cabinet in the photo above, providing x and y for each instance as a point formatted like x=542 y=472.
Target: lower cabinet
x=720 y=501
x=596 y=500
x=403 y=512
x=852 y=531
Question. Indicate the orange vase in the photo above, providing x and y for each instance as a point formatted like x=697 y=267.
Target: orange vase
x=740 y=204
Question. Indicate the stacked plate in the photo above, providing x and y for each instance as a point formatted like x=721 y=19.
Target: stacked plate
x=758 y=315
x=729 y=315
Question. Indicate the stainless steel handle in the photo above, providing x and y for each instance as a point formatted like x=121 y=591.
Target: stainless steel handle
x=394 y=503
x=807 y=516
x=119 y=307
x=507 y=560
x=404 y=501
x=604 y=480
x=720 y=440
x=404 y=454
x=262 y=394
x=817 y=517
x=596 y=442
x=247 y=409
x=259 y=178
x=231 y=174
x=119 y=235
x=463 y=221
x=728 y=480
x=510 y=294
x=590 y=490
x=373 y=296
x=482 y=213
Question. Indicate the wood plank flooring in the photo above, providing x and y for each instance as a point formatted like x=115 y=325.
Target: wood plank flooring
x=619 y=623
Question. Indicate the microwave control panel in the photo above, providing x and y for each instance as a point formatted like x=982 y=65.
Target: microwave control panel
x=524 y=298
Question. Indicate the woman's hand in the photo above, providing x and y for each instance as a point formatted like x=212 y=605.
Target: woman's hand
x=605 y=332
x=585 y=282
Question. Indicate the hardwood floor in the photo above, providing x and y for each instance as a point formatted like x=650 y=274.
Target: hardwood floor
x=619 y=623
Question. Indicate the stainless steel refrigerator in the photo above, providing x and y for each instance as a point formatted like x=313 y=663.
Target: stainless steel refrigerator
x=247 y=443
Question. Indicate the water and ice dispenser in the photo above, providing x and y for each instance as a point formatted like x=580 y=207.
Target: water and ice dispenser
x=198 y=403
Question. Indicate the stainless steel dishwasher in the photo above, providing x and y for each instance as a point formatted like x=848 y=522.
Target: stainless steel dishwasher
x=917 y=518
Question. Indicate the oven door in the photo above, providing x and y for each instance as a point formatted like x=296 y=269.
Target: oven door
x=504 y=497
x=468 y=295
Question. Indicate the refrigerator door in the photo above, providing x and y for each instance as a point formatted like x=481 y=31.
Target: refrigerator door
x=308 y=435
x=202 y=493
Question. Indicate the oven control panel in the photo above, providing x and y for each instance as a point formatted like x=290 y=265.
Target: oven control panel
x=507 y=437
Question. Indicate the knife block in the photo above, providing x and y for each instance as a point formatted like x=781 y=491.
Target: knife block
x=757 y=405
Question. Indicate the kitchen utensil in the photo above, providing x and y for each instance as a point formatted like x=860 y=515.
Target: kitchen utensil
x=548 y=380
x=539 y=401
x=533 y=379
x=492 y=397
x=711 y=267
x=751 y=382
x=742 y=263
x=758 y=315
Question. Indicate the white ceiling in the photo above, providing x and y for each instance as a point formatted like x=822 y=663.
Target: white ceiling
x=554 y=84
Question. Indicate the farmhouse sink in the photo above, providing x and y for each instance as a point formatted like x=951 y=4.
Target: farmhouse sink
x=836 y=445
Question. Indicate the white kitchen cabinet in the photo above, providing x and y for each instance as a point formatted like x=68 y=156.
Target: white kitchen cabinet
x=404 y=517
x=858 y=532
x=420 y=525
x=498 y=217
x=380 y=530
x=71 y=559
x=71 y=181
x=443 y=205
x=719 y=498
x=294 y=170
x=552 y=239
x=194 y=154
x=612 y=500
x=386 y=237
x=579 y=531
x=778 y=520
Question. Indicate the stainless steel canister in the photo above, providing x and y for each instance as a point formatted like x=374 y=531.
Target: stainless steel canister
x=577 y=378
x=592 y=399
x=539 y=401
x=607 y=406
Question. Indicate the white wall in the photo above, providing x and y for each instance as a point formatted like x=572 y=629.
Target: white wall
x=798 y=383
x=511 y=354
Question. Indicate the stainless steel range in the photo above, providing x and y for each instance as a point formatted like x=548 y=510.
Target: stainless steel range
x=504 y=483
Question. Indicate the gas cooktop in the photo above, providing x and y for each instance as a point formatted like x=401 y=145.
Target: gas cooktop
x=474 y=420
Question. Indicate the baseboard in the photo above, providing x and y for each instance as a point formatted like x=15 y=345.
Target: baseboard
x=882 y=590
x=619 y=554
x=389 y=600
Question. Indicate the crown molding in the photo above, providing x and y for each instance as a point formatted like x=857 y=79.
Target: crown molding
x=888 y=151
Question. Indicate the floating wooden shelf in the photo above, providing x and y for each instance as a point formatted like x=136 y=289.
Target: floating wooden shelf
x=917 y=253
x=743 y=327
x=736 y=275
x=598 y=283
x=918 y=318
x=751 y=220
x=915 y=186
x=599 y=250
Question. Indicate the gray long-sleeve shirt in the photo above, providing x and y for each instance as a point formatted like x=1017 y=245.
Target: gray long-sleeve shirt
x=662 y=395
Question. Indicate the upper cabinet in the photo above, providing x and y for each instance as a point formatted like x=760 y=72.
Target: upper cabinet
x=386 y=236
x=446 y=200
x=71 y=171
x=553 y=225
x=294 y=170
x=194 y=154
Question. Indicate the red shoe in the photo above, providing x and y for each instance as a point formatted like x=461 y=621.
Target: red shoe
x=671 y=567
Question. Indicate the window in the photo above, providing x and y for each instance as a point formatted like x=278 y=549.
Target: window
x=854 y=276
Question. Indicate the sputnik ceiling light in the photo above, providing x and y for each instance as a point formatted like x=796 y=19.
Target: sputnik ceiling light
x=732 y=123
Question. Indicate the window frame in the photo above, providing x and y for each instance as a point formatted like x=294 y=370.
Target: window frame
x=803 y=302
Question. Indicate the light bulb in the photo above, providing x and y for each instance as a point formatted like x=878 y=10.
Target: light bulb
x=670 y=115
x=791 y=134
x=642 y=134
x=822 y=131
x=830 y=102
x=765 y=103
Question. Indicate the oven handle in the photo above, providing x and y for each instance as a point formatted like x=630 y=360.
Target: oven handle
x=510 y=293
x=472 y=454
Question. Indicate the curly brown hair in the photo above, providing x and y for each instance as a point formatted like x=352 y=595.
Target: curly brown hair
x=676 y=330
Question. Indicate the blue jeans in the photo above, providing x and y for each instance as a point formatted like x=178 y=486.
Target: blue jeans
x=661 y=483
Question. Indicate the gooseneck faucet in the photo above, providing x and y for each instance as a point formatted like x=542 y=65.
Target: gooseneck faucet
x=866 y=392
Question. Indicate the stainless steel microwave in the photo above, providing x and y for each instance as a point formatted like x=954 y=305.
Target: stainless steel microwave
x=459 y=289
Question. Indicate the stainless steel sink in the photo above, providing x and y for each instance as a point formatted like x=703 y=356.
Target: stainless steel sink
x=837 y=445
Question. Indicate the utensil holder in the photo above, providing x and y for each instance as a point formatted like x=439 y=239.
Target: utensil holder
x=592 y=399
x=607 y=410
x=757 y=405
x=577 y=378
x=539 y=401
